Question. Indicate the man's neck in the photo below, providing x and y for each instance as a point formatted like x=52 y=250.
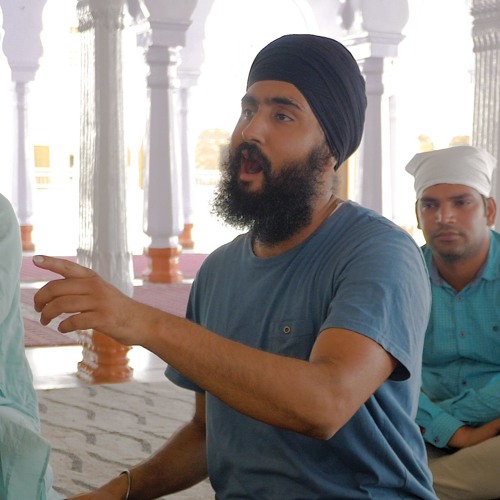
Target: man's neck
x=461 y=272
x=321 y=213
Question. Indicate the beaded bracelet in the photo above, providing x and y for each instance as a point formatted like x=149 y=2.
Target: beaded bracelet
x=127 y=472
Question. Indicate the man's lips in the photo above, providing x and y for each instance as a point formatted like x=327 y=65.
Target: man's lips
x=250 y=165
x=446 y=235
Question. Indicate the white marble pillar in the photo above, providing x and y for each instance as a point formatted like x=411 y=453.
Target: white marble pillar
x=373 y=33
x=192 y=56
x=187 y=170
x=103 y=242
x=370 y=158
x=486 y=125
x=163 y=206
x=23 y=48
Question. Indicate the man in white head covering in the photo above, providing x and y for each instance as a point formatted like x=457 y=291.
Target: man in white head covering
x=459 y=407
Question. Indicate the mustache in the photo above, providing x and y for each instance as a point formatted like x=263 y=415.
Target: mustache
x=249 y=151
x=443 y=229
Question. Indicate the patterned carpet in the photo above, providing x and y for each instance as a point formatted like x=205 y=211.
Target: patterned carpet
x=97 y=431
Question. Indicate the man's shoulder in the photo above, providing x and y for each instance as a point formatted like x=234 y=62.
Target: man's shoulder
x=362 y=237
x=365 y=216
x=227 y=251
x=368 y=226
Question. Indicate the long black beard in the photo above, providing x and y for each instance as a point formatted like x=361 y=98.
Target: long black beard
x=282 y=207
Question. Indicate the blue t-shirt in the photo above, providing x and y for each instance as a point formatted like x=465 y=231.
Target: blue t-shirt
x=360 y=272
x=461 y=357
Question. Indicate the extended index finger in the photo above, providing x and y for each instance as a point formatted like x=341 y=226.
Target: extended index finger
x=74 y=282
x=64 y=267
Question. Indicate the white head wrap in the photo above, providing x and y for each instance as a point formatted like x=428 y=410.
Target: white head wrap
x=465 y=165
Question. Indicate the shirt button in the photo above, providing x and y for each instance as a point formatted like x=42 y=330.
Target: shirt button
x=287 y=329
x=459 y=298
x=461 y=335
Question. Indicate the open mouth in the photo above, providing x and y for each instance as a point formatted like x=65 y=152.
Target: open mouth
x=249 y=163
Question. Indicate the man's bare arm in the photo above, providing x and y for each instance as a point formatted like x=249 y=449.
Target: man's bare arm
x=315 y=397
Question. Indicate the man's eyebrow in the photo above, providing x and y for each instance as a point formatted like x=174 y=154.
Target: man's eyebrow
x=454 y=197
x=461 y=196
x=284 y=101
x=249 y=100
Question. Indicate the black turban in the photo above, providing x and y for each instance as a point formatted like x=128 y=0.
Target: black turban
x=327 y=75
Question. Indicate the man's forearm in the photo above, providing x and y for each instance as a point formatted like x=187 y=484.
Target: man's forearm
x=469 y=436
x=179 y=464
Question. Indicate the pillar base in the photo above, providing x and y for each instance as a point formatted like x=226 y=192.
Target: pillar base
x=163 y=265
x=104 y=360
x=186 y=239
x=27 y=243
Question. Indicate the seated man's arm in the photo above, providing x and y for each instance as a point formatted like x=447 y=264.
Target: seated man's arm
x=469 y=436
x=179 y=464
x=441 y=427
x=476 y=406
x=437 y=425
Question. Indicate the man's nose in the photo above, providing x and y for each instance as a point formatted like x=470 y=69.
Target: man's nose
x=445 y=214
x=255 y=129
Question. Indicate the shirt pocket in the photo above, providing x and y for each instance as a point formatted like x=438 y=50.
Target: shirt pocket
x=293 y=338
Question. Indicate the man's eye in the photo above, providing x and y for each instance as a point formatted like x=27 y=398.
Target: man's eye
x=428 y=206
x=247 y=113
x=282 y=117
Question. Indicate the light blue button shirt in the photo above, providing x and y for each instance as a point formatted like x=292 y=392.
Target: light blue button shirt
x=24 y=455
x=461 y=359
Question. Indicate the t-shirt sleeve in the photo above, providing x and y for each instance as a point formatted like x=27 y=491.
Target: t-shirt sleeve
x=383 y=292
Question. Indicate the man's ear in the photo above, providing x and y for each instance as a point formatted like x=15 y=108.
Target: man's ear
x=416 y=215
x=331 y=164
x=491 y=211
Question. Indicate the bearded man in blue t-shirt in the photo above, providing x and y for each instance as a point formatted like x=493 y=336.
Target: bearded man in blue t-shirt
x=303 y=336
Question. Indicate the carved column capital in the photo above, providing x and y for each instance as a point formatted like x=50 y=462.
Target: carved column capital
x=373 y=32
x=486 y=25
x=373 y=28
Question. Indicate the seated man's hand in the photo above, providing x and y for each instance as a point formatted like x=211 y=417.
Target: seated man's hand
x=469 y=436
